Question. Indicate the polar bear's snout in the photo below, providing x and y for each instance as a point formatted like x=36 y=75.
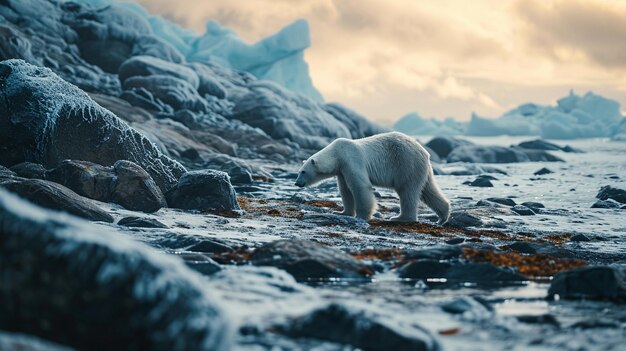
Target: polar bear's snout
x=299 y=182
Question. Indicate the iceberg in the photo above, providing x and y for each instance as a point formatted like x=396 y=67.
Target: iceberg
x=414 y=124
x=574 y=116
x=278 y=58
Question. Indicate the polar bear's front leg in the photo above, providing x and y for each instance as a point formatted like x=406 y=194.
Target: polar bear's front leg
x=363 y=193
x=346 y=197
x=409 y=197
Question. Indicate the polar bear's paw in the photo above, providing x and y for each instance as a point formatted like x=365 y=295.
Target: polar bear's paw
x=403 y=219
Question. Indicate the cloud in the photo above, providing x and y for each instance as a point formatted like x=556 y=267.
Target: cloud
x=450 y=57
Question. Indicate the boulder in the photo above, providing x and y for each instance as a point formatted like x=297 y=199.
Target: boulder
x=125 y=183
x=463 y=219
x=57 y=197
x=359 y=126
x=457 y=273
x=205 y=189
x=610 y=203
x=175 y=92
x=309 y=260
x=609 y=192
x=543 y=171
x=535 y=206
x=65 y=280
x=51 y=120
x=444 y=145
x=487 y=154
x=29 y=170
x=540 y=248
x=137 y=222
x=502 y=201
x=361 y=329
x=152 y=66
x=482 y=182
x=541 y=156
x=539 y=144
x=593 y=282
x=523 y=210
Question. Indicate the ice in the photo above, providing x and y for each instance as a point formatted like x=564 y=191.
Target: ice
x=414 y=124
x=279 y=58
x=573 y=117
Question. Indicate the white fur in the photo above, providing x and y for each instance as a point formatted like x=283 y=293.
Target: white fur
x=390 y=160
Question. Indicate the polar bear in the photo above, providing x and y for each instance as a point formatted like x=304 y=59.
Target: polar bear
x=390 y=160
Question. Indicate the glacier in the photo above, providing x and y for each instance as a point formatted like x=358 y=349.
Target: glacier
x=278 y=58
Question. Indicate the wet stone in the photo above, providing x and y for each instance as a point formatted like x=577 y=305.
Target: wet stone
x=523 y=210
x=592 y=282
x=502 y=201
x=139 y=222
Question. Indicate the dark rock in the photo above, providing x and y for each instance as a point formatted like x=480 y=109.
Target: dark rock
x=483 y=182
x=523 y=210
x=51 y=120
x=463 y=219
x=126 y=183
x=539 y=144
x=200 y=263
x=568 y=148
x=455 y=273
x=595 y=323
x=309 y=260
x=540 y=248
x=444 y=145
x=210 y=246
x=593 y=282
x=238 y=170
x=152 y=66
x=455 y=241
x=138 y=222
x=539 y=319
x=535 y=206
x=502 y=201
x=57 y=197
x=63 y=279
x=610 y=203
x=191 y=154
x=543 y=171
x=541 y=156
x=487 y=154
x=205 y=189
x=360 y=329
x=465 y=304
x=6 y=173
x=579 y=238
x=609 y=192
x=359 y=126
x=435 y=253
x=29 y=170
x=175 y=92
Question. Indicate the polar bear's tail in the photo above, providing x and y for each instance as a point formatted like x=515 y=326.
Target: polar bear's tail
x=434 y=198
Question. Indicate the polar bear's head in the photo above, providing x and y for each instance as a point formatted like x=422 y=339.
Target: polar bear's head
x=313 y=171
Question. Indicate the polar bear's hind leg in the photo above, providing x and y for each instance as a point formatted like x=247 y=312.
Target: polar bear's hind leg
x=346 y=197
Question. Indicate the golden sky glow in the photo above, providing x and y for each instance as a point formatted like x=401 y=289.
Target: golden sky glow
x=438 y=58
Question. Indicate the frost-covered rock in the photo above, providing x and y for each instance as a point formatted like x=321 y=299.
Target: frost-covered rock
x=29 y=170
x=65 y=280
x=124 y=183
x=486 y=154
x=51 y=120
x=540 y=144
x=358 y=125
x=444 y=145
x=152 y=66
x=309 y=260
x=203 y=190
x=609 y=192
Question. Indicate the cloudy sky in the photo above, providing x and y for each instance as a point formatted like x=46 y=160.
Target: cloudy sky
x=438 y=58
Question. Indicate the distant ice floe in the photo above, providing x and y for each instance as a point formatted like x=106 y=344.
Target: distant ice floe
x=574 y=116
x=278 y=58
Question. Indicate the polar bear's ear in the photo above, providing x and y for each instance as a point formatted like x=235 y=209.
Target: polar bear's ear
x=313 y=162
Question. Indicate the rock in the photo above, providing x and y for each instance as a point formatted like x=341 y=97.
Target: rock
x=455 y=241
x=487 y=154
x=610 y=203
x=502 y=201
x=543 y=171
x=434 y=157
x=535 y=206
x=463 y=219
x=435 y=253
x=125 y=183
x=359 y=126
x=205 y=189
x=152 y=66
x=21 y=342
x=456 y=273
x=137 y=222
x=238 y=170
x=539 y=144
x=568 y=148
x=360 y=329
x=539 y=319
x=29 y=170
x=51 y=120
x=210 y=246
x=609 y=192
x=540 y=248
x=309 y=260
x=191 y=154
x=579 y=238
x=465 y=304
x=63 y=279
x=523 y=210
x=593 y=282
x=200 y=263
x=541 y=156
x=174 y=92
x=57 y=197
x=483 y=182
x=444 y=145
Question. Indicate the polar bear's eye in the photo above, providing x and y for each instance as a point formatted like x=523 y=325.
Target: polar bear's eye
x=302 y=172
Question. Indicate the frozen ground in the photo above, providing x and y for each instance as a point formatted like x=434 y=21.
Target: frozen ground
x=513 y=317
